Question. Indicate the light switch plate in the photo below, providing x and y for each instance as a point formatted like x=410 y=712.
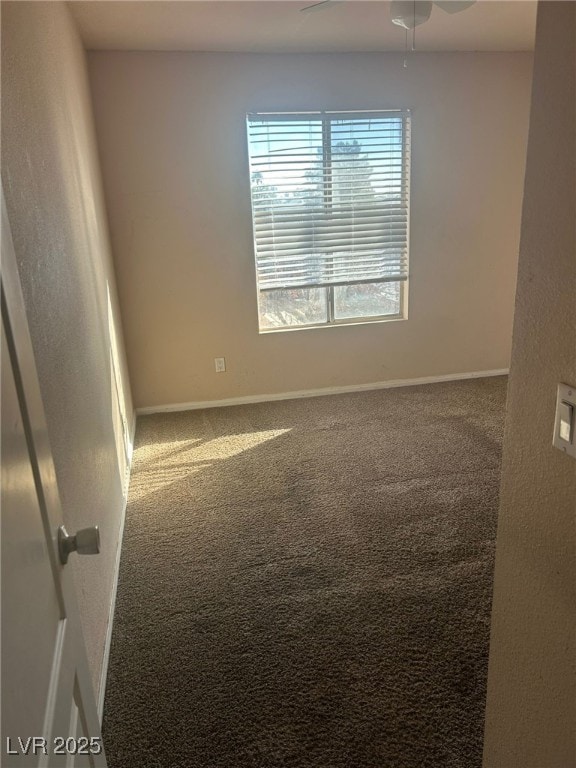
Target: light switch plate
x=565 y=420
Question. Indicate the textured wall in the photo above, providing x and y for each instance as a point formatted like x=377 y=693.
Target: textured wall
x=53 y=193
x=531 y=718
x=171 y=129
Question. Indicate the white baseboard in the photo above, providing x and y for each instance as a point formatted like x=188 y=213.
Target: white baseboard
x=106 y=657
x=318 y=392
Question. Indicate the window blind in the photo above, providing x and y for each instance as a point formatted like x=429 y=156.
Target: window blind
x=330 y=197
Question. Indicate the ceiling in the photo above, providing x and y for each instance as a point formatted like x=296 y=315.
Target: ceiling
x=277 y=26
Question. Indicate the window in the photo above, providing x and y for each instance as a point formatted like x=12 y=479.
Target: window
x=330 y=204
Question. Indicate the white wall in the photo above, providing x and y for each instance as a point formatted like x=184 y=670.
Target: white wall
x=51 y=180
x=171 y=130
x=531 y=706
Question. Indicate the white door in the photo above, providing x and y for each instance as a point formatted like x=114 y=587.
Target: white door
x=48 y=707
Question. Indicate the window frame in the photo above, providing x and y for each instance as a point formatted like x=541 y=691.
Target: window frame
x=331 y=320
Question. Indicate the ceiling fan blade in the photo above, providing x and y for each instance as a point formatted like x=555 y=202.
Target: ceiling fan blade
x=317 y=6
x=454 y=6
x=410 y=13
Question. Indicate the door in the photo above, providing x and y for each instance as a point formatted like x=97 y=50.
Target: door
x=49 y=714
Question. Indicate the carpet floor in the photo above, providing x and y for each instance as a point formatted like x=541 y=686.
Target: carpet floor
x=307 y=583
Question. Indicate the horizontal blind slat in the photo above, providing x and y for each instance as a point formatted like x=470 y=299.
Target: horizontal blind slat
x=344 y=210
x=326 y=265
x=289 y=226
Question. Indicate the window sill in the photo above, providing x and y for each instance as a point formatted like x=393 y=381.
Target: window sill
x=340 y=324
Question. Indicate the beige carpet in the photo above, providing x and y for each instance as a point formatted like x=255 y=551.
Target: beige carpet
x=307 y=583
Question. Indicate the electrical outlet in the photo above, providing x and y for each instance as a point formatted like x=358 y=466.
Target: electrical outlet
x=220 y=364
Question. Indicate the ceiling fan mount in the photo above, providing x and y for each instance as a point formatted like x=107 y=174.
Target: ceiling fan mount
x=411 y=13
x=407 y=13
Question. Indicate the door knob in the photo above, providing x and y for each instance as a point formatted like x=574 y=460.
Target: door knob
x=85 y=542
